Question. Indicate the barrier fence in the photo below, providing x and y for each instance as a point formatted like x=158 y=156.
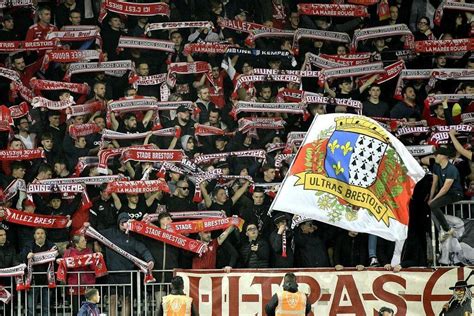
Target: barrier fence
x=124 y=293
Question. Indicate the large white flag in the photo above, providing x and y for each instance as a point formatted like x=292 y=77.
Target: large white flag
x=350 y=172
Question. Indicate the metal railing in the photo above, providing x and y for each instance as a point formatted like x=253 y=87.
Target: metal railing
x=121 y=292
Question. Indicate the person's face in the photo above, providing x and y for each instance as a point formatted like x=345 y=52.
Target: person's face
x=423 y=25
x=380 y=43
x=3 y=237
x=105 y=195
x=177 y=39
x=184 y=116
x=18 y=173
x=183 y=189
x=30 y=209
x=459 y=292
x=294 y=19
x=221 y=196
x=123 y=226
x=99 y=121
x=205 y=236
x=75 y=18
x=322 y=24
x=252 y=232
x=79 y=120
x=99 y=90
x=220 y=144
x=439 y=111
x=8 y=25
x=46 y=175
x=387 y=314
x=353 y=234
x=410 y=94
x=213 y=117
x=242 y=16
x=40 y=236
x=204 y=94
x=59 y=167
x=132 y=198
x=47 y=144
x=341 y=50
x=56 y=203
x=16 y=145
x=346 y=87
x=266 y=93
x=470 y=89
x=470 y=64
x=45 y=16
x=440 y=158
x=24 y=125
x=441 y=61
x=115 y=24
x=275 y=64
x=393 y=13
x=82 y=244
x=320 y=109
x=247 y=69
x=244 y=172
x=19 y=64
x=143 y=70
x=258 y=198
x=131 y=122
x=270 y=174
x=165 y=221
x=96 y=298
x=81 y=142
x=308 y=228
x=70 y=2
x=217 y=9
x=374 y=92
x=54 y=120
x=131 y=93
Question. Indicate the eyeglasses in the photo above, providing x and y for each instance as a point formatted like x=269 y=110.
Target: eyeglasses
x=184 y=188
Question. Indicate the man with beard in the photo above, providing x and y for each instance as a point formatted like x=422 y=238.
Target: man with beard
x=204 y=104
x=460 y=303
x=128 y=125
x=408 y=107
x=28 y=139
x=183 y=120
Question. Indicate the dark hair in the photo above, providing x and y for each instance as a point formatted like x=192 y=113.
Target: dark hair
x=129 y=115
x=54 y=112
x=163 y=215
x=44 y=168
x=46 y=136
x=404 y=89
x=177 y=283
x=385 y=309
x=267 y=167
x=74 y=11
x=44 y=8
x=17 y=165
x=17 y=56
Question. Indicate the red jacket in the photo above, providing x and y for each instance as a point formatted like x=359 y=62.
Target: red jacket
x=73 y=278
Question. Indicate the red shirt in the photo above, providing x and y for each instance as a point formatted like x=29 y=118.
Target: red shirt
x=208 y=259
x=37 y=32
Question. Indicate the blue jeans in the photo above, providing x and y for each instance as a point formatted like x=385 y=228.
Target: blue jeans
x=372 y=246
x=36 y=295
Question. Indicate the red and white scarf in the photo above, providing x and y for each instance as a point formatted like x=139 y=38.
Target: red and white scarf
x=150 y=80
x=94 y=260
x=256 y=34
x=13 y=188
x=243 y=26
x=37 y=85
x=410 y=74
x=96 y=180
x=251 y=123
x=177 y=25
x=206 y=130
x=318 y=61
x=391 y=71
x=451 y=5
x=109 y=67
x=206 y=47
x=9 y=74
x=284 y=54
x=19 y=110
x=256 y=153
x=171 y=238
x=145 y=43
x=105 y=154
x=412 y=130
x=188 y=68
x=131 y=8
x=438 y=98
x=300 y=73
x=42 y=258
x=420 y=150
x=142 y=265
x=152 y=155
x=79 y=130
x=148 y=218
x=205 y=225
x=383 y=31
x=168 y=132
x=70 y=56
x=445 y=46
x=21 y=154
x=349 y=59
x=55 y=188
x=24 y=91
x=40 y=102
x=76 y=36
x=137 y=187
x=34 y=220
x=246 y=79
x=261 y=107
x=6 y=4
x=280 y=158
x=14 y=46
x=467 y=118
x=84 y=109
x=341 y=10
x=322 y=35
x=17 y=272
x=350 y=71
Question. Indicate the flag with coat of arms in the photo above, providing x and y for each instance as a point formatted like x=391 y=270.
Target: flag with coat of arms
x=352 y=173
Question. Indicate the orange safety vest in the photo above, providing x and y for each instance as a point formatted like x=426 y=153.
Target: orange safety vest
x=177 y=305
x=291 y=304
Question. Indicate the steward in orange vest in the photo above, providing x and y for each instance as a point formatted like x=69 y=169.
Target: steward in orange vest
x=289 y=302
x=177 y=303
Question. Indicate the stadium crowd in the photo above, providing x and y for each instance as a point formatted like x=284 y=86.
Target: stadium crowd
x=214 y=92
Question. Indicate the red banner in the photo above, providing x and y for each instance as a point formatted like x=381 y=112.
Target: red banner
x=246 y=292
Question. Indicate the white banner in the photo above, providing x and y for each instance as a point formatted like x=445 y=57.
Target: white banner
x=411 y=292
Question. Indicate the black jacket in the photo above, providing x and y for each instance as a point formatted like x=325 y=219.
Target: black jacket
x=8 y=256
x=255 y=259
x=116 y=262
x=310 y=251
x=349 y=251
x=39 y=279
x=166 y=257
x=278 y=261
